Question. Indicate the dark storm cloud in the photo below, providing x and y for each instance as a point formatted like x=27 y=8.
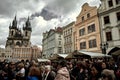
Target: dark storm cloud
x=46 y=14
x=53 y=8
x=63 y=6
x=11 y=7
x=58 y=8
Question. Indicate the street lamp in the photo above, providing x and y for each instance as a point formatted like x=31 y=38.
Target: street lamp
x=104 y=47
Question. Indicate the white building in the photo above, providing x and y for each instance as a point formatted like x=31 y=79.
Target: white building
x=109 y=17
x=52 y=42
x=68 y=38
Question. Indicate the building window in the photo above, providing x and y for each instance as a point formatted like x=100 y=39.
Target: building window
x=71 y=30
x=82 y=32
x=92 y=43
x=83 y=18
x=59 y=35
x=26 y=33
x=59 y=42
x=118 y=16
x=106 y=20
x=83 y=45
x=59 y=49
x=88 y=15
x=91 y=28
x=109 y=36
x=12 y=33
x=117 y=1
x=110 y=3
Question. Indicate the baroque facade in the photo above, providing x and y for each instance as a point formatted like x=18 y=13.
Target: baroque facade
x=109 y=17
x=86 y=30
x=52 y=42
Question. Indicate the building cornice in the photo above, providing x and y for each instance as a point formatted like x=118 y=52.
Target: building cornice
x=109 y=11
x=108 y=27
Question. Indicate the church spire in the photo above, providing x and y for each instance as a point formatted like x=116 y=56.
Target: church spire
x=28 y=22
x=14 y=23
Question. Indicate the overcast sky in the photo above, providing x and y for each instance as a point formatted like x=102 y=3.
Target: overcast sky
x=44 y=15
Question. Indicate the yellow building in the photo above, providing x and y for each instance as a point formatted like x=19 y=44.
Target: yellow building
x=87 y=32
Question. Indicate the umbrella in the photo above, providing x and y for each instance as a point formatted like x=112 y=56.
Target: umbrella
x=70 y=55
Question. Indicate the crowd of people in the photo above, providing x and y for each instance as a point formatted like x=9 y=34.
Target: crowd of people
x=75 y=69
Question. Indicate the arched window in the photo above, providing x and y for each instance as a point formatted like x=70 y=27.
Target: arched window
x=26 y=33
x=18 y=43
x=12 y=33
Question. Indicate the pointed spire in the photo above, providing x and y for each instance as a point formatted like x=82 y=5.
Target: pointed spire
x=15 y=17
x=14 y=23
x=28 y=22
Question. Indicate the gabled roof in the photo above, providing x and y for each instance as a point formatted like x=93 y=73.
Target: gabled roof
x=85 y=9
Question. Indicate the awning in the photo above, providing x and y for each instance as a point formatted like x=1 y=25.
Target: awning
x=116 y=53
x=56 y=56
x=43 y=60
x=92 y=54
x=70 y=55
x=62 y=55
x=112 y=50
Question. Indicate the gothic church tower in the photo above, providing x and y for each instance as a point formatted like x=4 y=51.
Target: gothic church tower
x=16 y=38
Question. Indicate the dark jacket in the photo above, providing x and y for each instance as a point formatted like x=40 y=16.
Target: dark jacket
x=51 y=76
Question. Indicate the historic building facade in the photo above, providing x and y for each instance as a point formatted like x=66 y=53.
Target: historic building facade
x=86 y=30
x=68 y=38
x=52 y=42
x=16 y=38
x=19 y=41
x=5 y=53
x=109 y=17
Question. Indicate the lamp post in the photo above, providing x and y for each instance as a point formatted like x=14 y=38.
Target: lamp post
x=104 y=47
